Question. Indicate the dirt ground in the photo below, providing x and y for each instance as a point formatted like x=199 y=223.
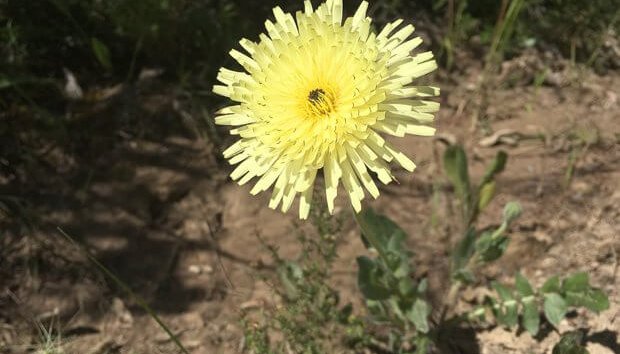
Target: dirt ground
x=163 y=216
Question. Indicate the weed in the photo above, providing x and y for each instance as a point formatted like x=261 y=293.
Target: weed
x=310 y=318
x=50 y=343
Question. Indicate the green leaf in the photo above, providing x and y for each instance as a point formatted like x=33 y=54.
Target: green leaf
x=490 y=246
x=570 y=343
x=486 y=194
x=455 y=165
x=552 y=285
x=507 y=313
x=523 y=286
x=380 y=227
x=406 y=287
x=578 y=282
x=418 y=315
x=102 y=53
x=464 y=250
x=395 y=241
x=422 y=344
x=369 y=280
x=504 y=293
x=396 y=308
x=509 y=316
x=398 y=256
x=530 y=318
x=592 y=299
x=555 y=308
x=496 y=166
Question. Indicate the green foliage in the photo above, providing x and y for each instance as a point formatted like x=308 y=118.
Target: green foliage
x=310 y=319
x=477 y=246
x=555 y=308
x=455 y=164
x=576 y=27
x=520 y=304
x=393 y=296
x=570 y=343
x=553 y=299
x=102 y=53
x=473 y=200
x=50 y=341
x=504 y=30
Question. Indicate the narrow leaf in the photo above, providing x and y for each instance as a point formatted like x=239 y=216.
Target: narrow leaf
x=464 y=250
x=455 y=164
x=486 y=194
x=496 y=166
x=102 y=53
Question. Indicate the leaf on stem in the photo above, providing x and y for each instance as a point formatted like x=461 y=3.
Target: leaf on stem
x=570 y=343
x=555 y=308
x=455 y=164
x=418 y=315
x=369 y=280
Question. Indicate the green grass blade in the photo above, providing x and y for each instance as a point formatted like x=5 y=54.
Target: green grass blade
x=139 y=300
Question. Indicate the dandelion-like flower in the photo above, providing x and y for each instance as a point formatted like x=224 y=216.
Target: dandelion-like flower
x=316 y=94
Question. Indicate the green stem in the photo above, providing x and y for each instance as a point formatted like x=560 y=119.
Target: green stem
x=372 y=239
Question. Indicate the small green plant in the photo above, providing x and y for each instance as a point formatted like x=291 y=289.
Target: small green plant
x=394 y=298
x=504 y=29
x=310 y=318
x=576 y=27
x=397 y=301
x=398 y=320
x=460 y=24
x=553 y=298
x=50 y=340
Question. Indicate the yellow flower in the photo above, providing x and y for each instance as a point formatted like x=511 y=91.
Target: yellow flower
x=315 y=94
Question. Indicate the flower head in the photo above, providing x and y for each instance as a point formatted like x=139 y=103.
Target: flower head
x=315 y=95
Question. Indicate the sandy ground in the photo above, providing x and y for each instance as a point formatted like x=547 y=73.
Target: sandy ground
x=145 y=207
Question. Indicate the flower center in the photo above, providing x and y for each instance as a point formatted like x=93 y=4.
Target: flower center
x=320 y=102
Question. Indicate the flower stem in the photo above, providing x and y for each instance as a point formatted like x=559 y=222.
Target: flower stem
x=371 y=238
